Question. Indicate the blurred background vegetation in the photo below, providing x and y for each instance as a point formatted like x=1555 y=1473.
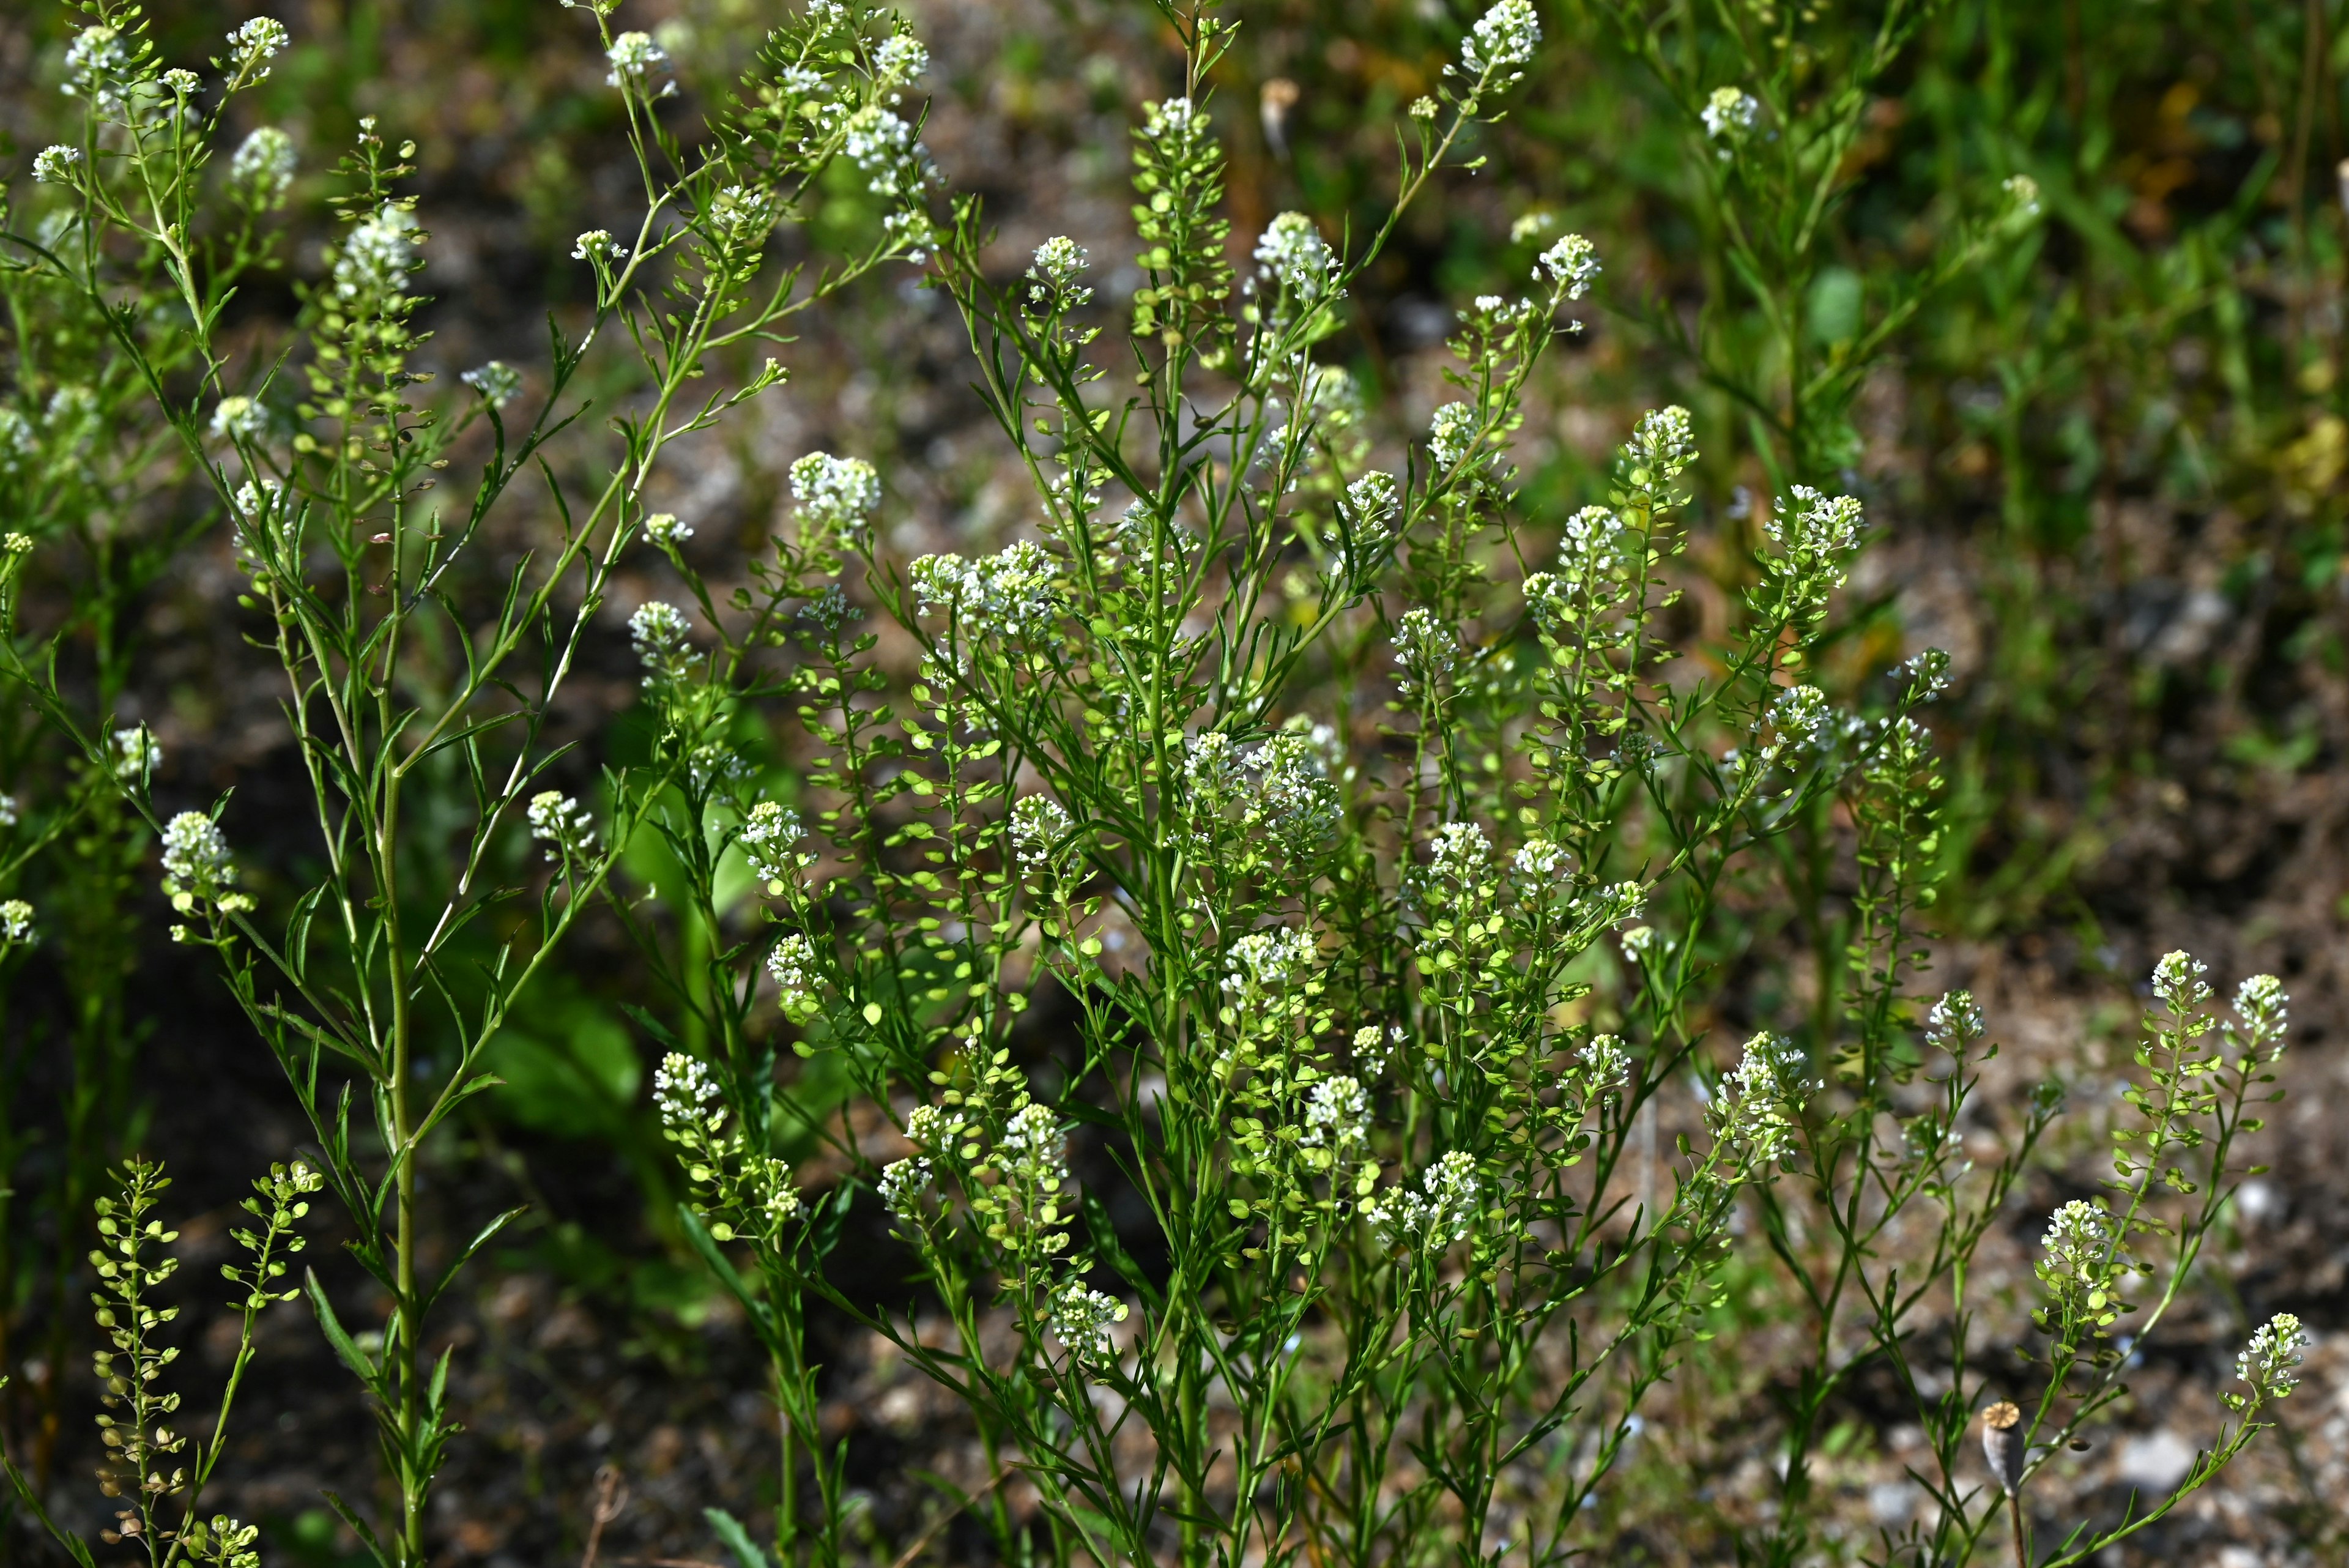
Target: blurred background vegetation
x=2103 y=457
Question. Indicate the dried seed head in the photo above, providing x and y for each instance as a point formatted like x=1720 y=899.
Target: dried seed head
x=2003 y=1443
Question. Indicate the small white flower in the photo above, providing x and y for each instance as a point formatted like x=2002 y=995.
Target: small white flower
x=2178 y=982
x=95 y=64
x=17 y=440
x=137 y=753
x=663 y=529
x=596 y=245
x=1337 y=1115
x=254 y=42
x=904 y=1184
x=1293 y=253
x=497 y=382
x=1502 y=42
x=1824 y=526
x=1571 y=264
x=2076 y=1254
x=1758 y=1100
x=1375 y=499
x=901 y=59
x=793 y=965
x=634 y=57
x=55 y=165
x=7 y=811
x=15 y=922
x=1539 y=864
x=1081 y=1319
x=1664 y=442
x=1954 y=1022
x=1059 y=261
x=1038 y=825
x=770 y=840
x=240 y=419
x=377 y=255
x=2022 y=194
x=1263 y=962
x=658 y=632
x=180 y=83
x=563 y=824
x=195 y=859
x=1730 y=111
x=2267 y=1363
x=840 y=492
x=1442 y=1211
x=1425 y=648
x=262 y=166
x=1803 y=717
x=1449 y=434
x=1606 y=1064
x=682 y=1090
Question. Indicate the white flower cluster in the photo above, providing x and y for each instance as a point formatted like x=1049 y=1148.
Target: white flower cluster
x=1052 y=275
x=1664 y=443
x=240 y=419
x=497 y=382
x=1375 y=499
x=1211 y=767
x=1337 y=1115
x=2262 y=1004
x=2022 y=194
x=1293 y=255
x=95 y=63
x=1460 y=855
x=682 y=1090
x=1442 y=1211
x=896 y=166
x=743 y=216
x=1266 y=961
x=1730 y=112
x=2267 y=1363
x=1426 y=649
x=261 y=169
x=1538 y=864
x=15 y=922
x=1803 y=717
x=2078 y=1244
x=1608 y=906
x=196 y=864
x=1449 y=434
x=55 y=165
x=377 y=255
x=769 y=839
x=1591 y=550
x=137 y=753
x=1571 y=265
x=17 y=441
x=1294 y=799
x=2178 y=982
x=1035 y=1149
x=1174 y=123
x=1014 y=594
x=665 y=531
x=1824 y=526
x=901 y=59
x=658 y=632
x=1502 y=43
x=904 y=1183
x=1606 y=1064
x=838 y=493
x=935 y=1128
x=7 y=811
x=1759 y=1100
x=182 y=83
x=561 y=823
x=253 y=43
x=1954 y=1022
x=597 y=246
x=793 y=966
x=1038 y=825
x=634 y=57
x=1081 y=1319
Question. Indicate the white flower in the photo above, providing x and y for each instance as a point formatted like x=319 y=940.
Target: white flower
x=634 y=56
x=15 y=922
x=181 y=84
x=1375 y=499
x=55 y=165
x=1211 y=768
x=1502 y=42
x=1802 y=716
x=1442 y=1211
x=934 y=1128
x=904 y=1183
x=2076 y=1254
x=256 y=41
x=658 y=631
x=1730 y=111
x=1663 y=442
x=882 y=144
x=1035 y=1149
x=240 y=419
x=1824 y=526
x=262 y=166
x=1337 y=1115
x=2023 y=193
x=2261 y=1003
x=17 y=441
x=2267 y=1362
x=1572 y=265
x=663 y=529
x=1081 y=1320
x=1538 y=864
x=1450 y=431
x=901 y=59
x=1758 y=1101
x=1293 y=253
x=1609 y=905
x=1014 y=594
x=769 y=839
x=1605 y=1066
x=561 y=823
x=1954 y=1022
x=496 y=382
x=1927 y=674
x=195 y=858
x=2177 y=980
x=1263 y=962
x=1295 y=799
x=1173 y=121
x=682 y=1090
x=1460 y=855
x=793 y=965
x=1038 y=826
x=1058 y=263
x=7 y=811
x=838 y=491
x=378 y=255
x=1425 y=648
x=596 y=245
x=137 y=753
x=95 y=63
